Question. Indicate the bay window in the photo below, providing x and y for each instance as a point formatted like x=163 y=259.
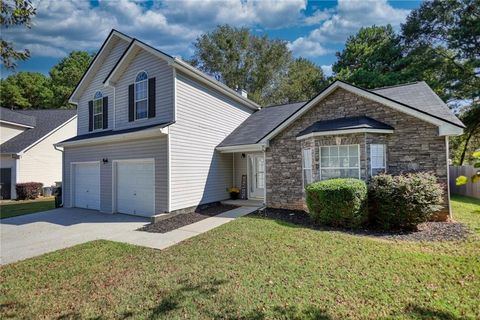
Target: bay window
x=340 y=162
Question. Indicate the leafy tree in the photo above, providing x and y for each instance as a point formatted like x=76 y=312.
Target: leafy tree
x=26 y=90
x=371 y=58
x=66 y=74
x=241 y=60
x=303 y=80
x=14 y=13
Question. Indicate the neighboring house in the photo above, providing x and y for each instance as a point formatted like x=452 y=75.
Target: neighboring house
x=27 y=153
x=156 y=135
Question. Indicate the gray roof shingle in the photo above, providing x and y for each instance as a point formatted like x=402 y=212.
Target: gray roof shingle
x=416 y=95
x=46 y=120
x=16 y=117
x=259 y=124
x=361 y=122
x=420 y=96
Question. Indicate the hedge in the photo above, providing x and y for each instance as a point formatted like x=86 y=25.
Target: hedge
x=338 y=202
x=28 y=190
x=404 y=201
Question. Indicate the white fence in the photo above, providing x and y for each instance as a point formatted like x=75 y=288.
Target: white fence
x=470 y=189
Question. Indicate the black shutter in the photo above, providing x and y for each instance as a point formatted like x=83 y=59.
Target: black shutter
x=90 y=115
x=151 y=97
x=105 y=112
x=131 y=102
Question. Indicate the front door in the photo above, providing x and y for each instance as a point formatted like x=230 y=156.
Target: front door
x=5 y=183
x=257 y=176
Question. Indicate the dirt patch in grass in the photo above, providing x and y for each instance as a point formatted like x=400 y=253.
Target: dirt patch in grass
x=429 y=231
x=184 y=219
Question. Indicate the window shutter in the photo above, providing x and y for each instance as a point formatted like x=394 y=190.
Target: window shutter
x=131 y=103
x=105 y=112
x=90 y=115
x=151 y=97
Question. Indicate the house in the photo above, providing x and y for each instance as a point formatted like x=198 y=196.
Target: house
x=156 y=135
x=27 y=153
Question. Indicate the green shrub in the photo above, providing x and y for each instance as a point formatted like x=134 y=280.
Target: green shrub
x=28 y=190
x=338 y=202
x=404 y=201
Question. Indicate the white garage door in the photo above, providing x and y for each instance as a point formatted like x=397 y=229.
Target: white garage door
x=135 y=191
x=87 y=185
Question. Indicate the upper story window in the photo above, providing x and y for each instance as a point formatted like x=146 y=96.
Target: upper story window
x=377 y=159
x=97 y=111
x=141 y=95
x=340 y=162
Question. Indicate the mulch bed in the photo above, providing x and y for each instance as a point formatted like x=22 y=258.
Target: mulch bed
x=429 y=231
x=184 y=219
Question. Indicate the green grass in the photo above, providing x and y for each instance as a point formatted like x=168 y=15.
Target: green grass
x=467 y=210
x=13 y=208
x=253 y=268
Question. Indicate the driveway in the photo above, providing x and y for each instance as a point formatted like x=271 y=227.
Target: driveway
x=37 y=233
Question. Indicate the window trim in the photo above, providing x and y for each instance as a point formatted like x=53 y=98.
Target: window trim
x=95 y=99
x=135 y=95
x=303 y=165
x=384 y=158
x=342 y=145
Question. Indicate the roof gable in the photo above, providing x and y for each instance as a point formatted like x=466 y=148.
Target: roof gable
x=95 y=64
x=47 y=121
x=446 y=126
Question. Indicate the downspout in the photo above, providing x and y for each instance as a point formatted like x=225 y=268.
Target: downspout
x=63 y=171
x=448 y=178
x=233 y=171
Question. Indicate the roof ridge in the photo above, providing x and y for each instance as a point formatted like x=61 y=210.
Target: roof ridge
x=396 y=85
x=283 y=104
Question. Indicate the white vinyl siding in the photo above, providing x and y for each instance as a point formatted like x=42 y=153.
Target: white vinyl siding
x=339 y=162
x=163 y=74
x=42 y=163
x=152 y=148
x=199 y=173
x=377 y=159
x=307 y=166
x=112 y=54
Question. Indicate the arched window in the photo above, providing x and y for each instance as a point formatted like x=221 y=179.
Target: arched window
x=97 y=111
x=141 y=95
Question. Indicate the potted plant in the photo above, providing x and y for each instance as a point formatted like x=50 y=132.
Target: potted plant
x=234 y=192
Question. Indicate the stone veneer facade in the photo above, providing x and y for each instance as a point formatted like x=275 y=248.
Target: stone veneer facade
x=414 y=146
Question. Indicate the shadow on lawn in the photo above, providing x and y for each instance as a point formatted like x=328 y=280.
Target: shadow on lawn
x=207 y=290
x=418 y=312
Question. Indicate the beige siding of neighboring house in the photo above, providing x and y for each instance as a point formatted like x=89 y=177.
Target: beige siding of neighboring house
x=8 y=131
x=7 y=161
x=41 y=162
x=163 y=74
x=204 y=117
x=155 y=148
x=111 y=56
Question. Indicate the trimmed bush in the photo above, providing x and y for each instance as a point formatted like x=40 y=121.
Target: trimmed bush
x=404 y=201
x=28 y=190
x=338 y=202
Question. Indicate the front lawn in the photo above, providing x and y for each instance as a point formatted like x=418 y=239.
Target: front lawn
x=253 y=268
x=12 y=208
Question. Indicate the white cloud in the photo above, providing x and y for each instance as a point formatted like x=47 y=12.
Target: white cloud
x=345 y=20
x=318 y=16
x=306 y=48
x=327 y=70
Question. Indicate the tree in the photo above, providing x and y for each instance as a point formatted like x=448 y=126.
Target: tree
x=14 y=13
x=241 y=60
x=26 y=90
x=66 y=74
x=371 y=58
x=303 y=80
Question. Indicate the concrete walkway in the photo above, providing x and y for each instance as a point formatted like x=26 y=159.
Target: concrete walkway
x=38 y=233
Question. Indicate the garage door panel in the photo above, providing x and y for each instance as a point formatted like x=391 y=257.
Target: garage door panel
x=135 y=187
x=87 y=185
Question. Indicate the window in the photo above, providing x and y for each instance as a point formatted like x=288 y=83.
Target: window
x=307 y=166
x=377 y=159
x=98 y=111
x=141 y=95
x=340 y=162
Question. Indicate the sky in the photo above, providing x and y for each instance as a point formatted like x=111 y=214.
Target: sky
x=312 y=29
